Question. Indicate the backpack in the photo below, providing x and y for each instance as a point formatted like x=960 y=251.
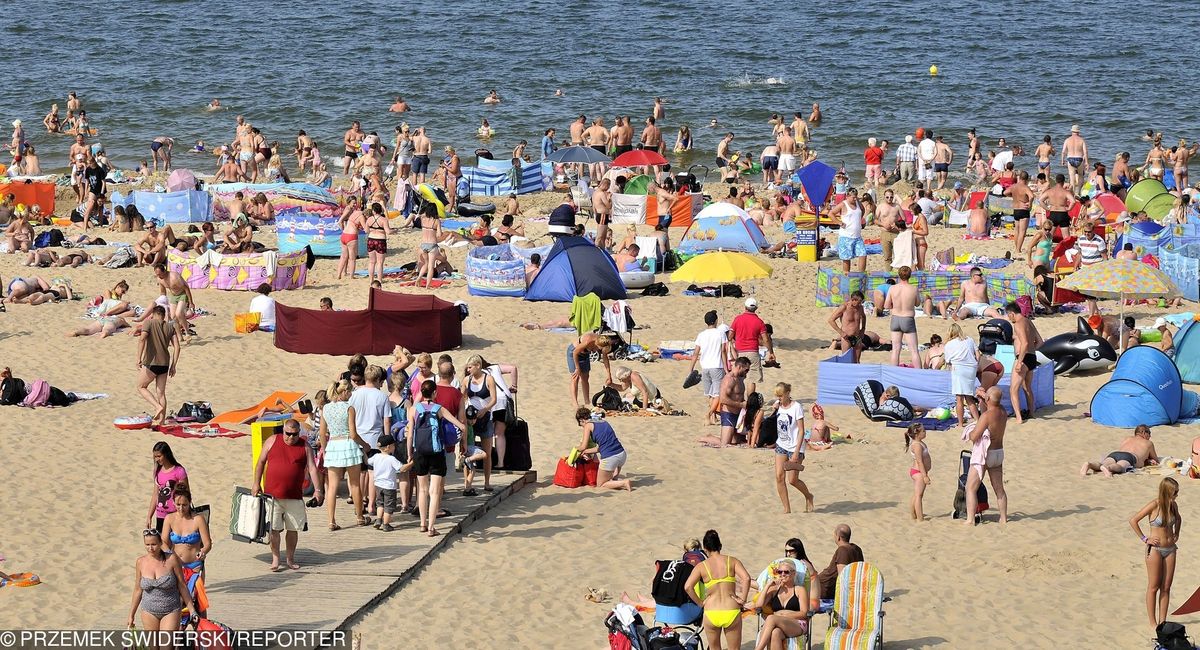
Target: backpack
x=608 y=399
x=38 y=395
x=1172 y=636
x=427 y=437
x=656 y=289
x=12 y=392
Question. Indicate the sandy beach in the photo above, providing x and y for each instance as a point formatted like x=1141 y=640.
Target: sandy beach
x=1066 y=565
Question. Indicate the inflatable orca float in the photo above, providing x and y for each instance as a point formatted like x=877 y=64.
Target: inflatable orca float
x=1081 y=350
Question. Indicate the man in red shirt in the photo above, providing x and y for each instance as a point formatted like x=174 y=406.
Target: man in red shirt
x=873 y=156
x=290 y=459
x=749 y=331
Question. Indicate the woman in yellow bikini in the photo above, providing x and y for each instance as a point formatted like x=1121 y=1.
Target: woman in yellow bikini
x=723 y=596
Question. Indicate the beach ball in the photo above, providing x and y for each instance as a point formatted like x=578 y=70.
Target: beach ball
x=933 y=70
x=940 y=413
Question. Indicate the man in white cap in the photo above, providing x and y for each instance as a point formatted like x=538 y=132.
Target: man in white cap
x=749 y=332
x=906 y=158
x=1167 y=344
x=1075 y=156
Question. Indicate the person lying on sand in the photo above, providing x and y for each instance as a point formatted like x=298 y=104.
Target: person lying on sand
x=105 y=327
x=1135 y=451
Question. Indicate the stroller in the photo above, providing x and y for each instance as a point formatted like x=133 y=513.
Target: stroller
x=635 y=635
x=960 y=495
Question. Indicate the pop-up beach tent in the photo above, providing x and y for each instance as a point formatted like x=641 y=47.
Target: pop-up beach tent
x=1145 y=388
x=576 y=267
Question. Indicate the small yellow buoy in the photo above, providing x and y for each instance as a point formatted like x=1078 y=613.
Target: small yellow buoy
x=933 y=70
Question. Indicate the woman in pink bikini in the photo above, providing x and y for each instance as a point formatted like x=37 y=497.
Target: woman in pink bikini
x=351 y=222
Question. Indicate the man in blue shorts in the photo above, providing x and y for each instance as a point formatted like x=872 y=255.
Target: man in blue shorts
x=850 y=243
x=733 y=399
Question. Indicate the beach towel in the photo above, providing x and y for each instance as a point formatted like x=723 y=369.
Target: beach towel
x=436 y=284
x=930 y=424
x=236 y=417
x=904 y=251
x=204 y=430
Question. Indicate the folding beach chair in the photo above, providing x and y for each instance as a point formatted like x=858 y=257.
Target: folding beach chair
x=583 y=201
x=856 y=621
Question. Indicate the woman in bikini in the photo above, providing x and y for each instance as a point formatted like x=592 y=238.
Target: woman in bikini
x=378 y=230
x=351 y=223
x=934 y=354
x=1154 y=166
x=1165 y=523
x=431 y=233
x=990 y=372
x=185 y=534
x=787 y=603
x=1180 y=156
x=914 y=442
x=724 y=596
x=920 y=229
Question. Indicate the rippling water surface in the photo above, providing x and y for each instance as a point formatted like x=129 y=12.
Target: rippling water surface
x=148 y=68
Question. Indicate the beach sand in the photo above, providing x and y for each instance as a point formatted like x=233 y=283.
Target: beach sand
x=1066 y=565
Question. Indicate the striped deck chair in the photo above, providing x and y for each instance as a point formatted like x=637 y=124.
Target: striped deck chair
x=856 y=622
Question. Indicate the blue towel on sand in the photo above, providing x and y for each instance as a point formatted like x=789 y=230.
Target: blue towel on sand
x=931 y=424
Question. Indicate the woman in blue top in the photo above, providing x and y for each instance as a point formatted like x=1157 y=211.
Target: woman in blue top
x=600 y=439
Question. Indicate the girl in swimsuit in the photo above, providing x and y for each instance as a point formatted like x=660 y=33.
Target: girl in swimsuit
x=787 y=603
x=158 y=587
x=431 y=233
x=914 y=442
x=1165 y=523
x=724 y=596
x=1154 y=159
x=378 y=230
x=351 y=222
x=185 y=534
x=1041 y=245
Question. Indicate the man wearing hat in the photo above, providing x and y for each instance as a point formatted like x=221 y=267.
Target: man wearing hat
x=749 y=331
x=1167 y=344
x=1075 y=156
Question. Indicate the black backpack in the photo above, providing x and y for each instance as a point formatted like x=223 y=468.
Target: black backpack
x=656 y=289
x=1172 y=636
x=608 y=399
x=12 y=391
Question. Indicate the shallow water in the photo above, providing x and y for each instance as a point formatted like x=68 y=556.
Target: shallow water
x=148 y=69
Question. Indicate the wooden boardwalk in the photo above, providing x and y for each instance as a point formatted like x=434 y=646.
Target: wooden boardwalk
x=342 y=573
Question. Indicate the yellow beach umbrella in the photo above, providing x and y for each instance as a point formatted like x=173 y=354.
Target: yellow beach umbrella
x=722 y=267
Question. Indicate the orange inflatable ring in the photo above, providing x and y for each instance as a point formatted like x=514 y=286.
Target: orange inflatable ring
x=130 y=422
x=21 y=580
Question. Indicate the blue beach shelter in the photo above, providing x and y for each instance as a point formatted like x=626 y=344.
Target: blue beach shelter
x=576 y=267
x=816 y=180
x=1145 y=388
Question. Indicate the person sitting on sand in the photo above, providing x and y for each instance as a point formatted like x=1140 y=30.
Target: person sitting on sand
x=19 y=236
x=934 y=357
x=627 y=259
x=820 y=437
x=600 y=440
x=114 y=303
x=1167 y=344
x=1134 y=452
x=151 y=249
x=239 y=236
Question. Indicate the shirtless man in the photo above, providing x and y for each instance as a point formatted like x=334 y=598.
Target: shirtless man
x=849 y=321
x=651 y=136
x=577 y=128
x=1135 y=451
x=399 y=106
x=666 y=199
x=787 y=153
x=974 y=295
x=596 y=137
x=1057 y=201
x=901 y=301
x=800 y=130
x=1022 y=203
x=1044 y=153
x=659 y=111
x=943 y=156
x=304 y=149
x=1026 y=341
x=239 y=236
x=622 y=135
x=723 y=152
x=602 y=209
x=988 y=434
x=422 y=148
x=73 y=103
x=230 y=172
x=352 y=143
x=1075 y=156
x=453 y=167
x=160 y=147
x=887 y=215
x=178 y=293
x=151 y=249
x=733 y=399
x=236 y=205
x=511 y=206
x=815 y=117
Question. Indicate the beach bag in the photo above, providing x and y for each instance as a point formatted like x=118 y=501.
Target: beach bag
x=12 y=391
x=121 y=258
x=246 y=322
x=768 y=431
x=960 y=495
x=1026 y=305
x=58 y=398
x=425 y=437
x=194 y=412
x=569 y=476
x=663 y=638
x=516 y=452
x=656 y=289
x=608 y=399
x=670 y=576
x=38 y=395
x=450 y=434
x=52 y=237
x=214 y=635
x=1172 y=636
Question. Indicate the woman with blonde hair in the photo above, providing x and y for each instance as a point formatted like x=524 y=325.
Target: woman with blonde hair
x=960 y=352
x=1180 y=156
x=790 y=447
x=342 y=450
x=1161 y=546
x=480 y=393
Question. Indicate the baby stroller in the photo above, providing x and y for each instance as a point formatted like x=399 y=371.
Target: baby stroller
x=960 y=495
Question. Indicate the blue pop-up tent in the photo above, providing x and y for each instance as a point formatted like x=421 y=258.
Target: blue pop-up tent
x=576 y=267
x=1145 y=388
